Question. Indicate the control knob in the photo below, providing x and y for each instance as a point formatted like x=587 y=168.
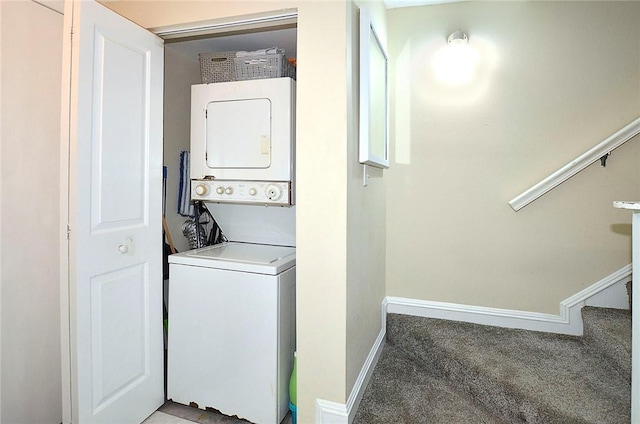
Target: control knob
x=229 y=190
x=220 y=190
x=273 y=192
x=201 y=189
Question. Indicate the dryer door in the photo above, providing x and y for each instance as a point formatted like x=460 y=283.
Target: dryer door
x=238 y=134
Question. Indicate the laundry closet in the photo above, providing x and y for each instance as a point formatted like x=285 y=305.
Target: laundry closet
x=231 y=304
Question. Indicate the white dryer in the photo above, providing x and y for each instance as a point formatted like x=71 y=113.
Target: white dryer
x=232 y=329
x=243 y=142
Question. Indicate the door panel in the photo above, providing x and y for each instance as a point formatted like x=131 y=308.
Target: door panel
x=120 y=358
x=119 y=142
x=114 y=280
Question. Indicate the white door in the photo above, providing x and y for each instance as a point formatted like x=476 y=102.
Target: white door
x=112 y=259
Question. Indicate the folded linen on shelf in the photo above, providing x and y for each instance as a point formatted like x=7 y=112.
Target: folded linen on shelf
x=261 y=52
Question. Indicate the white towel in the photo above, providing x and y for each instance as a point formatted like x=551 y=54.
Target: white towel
x=261 y=52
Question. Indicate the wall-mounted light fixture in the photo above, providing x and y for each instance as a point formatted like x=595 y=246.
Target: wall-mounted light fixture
x=455 y=63
x=458 y=38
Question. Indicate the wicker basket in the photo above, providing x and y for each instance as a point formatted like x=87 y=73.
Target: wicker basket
x=217 y=67
x=264 y=66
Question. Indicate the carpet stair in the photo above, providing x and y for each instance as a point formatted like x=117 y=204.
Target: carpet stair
x=608 y=332
x=438 y=371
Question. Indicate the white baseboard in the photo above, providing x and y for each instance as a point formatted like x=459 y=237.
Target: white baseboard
x=607 y=292
x=328 y=412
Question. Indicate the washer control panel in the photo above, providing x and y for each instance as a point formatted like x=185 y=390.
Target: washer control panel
x=229 y=191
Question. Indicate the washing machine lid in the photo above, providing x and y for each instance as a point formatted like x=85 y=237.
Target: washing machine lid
x=244 y=257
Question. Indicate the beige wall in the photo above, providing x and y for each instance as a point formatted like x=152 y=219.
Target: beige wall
x=339 y=224
x=31 y=44
x=366 y=217
x=554 y=79
x=321 y=222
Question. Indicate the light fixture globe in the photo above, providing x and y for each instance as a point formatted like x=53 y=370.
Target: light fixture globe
x=455 y=63
x=458 y=37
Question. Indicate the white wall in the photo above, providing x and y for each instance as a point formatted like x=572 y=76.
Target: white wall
x=554 y=79
x=256 y=223
x=31 y=44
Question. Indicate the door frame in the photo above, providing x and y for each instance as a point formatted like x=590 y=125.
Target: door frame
x=65 y=196
x=220 y=26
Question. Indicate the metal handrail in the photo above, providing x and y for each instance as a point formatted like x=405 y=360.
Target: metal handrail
x=599 y=151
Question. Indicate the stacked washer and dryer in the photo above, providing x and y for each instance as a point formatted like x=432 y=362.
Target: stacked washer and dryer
x=232 y=306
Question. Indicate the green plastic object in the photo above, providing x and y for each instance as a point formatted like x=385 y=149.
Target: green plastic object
x=292 y=382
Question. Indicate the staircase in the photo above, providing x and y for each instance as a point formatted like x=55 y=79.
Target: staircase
x=437 y=371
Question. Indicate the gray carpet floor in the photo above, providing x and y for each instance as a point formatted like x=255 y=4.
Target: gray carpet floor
x=401 y=392
x=437 y=371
